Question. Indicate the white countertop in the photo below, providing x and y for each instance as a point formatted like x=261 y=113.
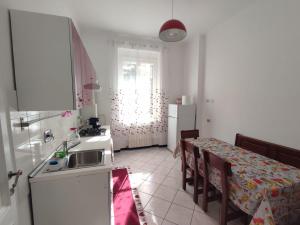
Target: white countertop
x=86 y=143
x=92 y=143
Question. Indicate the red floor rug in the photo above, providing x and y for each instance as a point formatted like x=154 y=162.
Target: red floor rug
x=126 y=201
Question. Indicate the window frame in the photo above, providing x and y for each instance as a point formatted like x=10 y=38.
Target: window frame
x=139 y=57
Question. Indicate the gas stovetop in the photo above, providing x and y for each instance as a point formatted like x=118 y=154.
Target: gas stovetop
x=90 y=132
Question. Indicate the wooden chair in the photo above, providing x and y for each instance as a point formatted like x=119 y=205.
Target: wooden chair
x=184 y=164
x=212 y=161
x=190 y=152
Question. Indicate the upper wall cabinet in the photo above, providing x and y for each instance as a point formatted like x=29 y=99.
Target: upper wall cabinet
x=51 y=65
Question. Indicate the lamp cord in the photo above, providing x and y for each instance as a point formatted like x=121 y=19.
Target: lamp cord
x=172 y=8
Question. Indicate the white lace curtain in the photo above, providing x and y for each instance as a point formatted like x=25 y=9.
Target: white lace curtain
x=139 y=104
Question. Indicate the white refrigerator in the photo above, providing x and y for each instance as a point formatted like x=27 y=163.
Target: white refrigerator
x=180 y=117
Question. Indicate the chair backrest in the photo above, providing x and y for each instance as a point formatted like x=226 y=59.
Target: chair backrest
x=280 y=153
x=189 y=134
x=213 y=161
x=188 y=149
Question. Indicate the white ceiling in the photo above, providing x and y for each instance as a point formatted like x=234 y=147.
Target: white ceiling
x=139 y=17
x=144 y=17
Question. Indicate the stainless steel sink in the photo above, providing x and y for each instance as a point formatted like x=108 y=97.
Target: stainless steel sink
x=86 y=158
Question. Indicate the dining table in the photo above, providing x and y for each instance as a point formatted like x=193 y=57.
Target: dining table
x=262 y=187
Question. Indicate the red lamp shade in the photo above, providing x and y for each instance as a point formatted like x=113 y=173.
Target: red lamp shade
x=172 y=30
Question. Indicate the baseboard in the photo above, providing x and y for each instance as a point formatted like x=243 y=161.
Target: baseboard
x=144 y=147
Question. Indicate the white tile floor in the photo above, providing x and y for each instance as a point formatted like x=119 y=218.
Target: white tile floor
x=157 y=176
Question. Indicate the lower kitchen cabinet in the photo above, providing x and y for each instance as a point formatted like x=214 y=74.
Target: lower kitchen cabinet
x=72 y=199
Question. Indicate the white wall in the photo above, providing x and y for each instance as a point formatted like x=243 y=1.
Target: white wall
x=194 y=68
x=175 y=73
x=253 y=74
x=191 y=65
x=99 y=47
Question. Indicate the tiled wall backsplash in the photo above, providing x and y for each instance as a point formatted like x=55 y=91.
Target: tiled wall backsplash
x=29 y=140
x=30 y=148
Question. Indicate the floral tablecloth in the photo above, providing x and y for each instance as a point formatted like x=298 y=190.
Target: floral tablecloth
x=260 y=186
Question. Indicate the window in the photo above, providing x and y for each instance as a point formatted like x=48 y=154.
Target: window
x=138 y=78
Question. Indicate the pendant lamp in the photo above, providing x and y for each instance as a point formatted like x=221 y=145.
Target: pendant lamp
x=173 y=30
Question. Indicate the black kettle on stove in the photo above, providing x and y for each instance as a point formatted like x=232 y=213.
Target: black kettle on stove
x=94 y=122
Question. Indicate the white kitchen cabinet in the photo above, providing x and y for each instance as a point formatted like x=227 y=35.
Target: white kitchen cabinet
x=74 y=196
x=51 y=65
x=72 y=200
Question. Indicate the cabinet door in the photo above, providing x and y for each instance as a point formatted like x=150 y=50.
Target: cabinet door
x=77 y=66
x=42 y=61
x=72 y=200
